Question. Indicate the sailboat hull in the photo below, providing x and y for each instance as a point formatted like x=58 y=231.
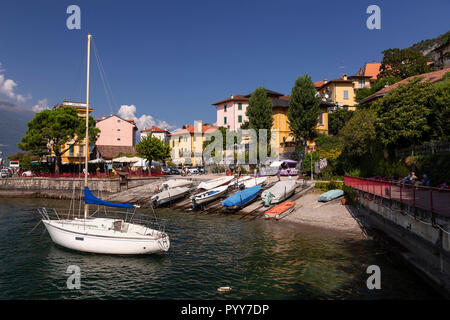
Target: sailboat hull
x=104 y=243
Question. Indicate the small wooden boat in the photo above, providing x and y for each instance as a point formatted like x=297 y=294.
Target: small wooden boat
x=169 y=195
x=279 y=192
x=175 y=183
x=280 y=211
x=241 y=198
x=208 y=196
x=330 y=195
x=214 y=183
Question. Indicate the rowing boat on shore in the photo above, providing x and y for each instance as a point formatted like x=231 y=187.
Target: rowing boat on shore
x=330 y=195
x=174 y=183
x=254 y=182
x=169 y=195
x=279 y=192
x=208 y=196
x=214 y=183
x=280 y=211
x=239 y=181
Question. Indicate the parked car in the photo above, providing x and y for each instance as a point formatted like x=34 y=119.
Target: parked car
x=166 y=170
x=192 y=170
x=174 y=170
x=5 y=173
x=201 y=170
x=27 y=173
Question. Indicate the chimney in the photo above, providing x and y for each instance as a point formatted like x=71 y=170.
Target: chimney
x=199 y=126
x=110 y=113
x=232 y=95
x=325 y=80
x=103 y=117
x=344 y=76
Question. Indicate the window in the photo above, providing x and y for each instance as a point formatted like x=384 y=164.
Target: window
x=224 y=108
x=321 y=119
x=81 y=148
x=239 y=119
x=239 y=106
x=361 y=83
x=118 y=139
x=118 y=129
x=71 y=150
x=224 y=120
x=346 y=94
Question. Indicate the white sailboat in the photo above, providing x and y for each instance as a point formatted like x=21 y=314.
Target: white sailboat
x=125 y=234
x=208 y=196
x=175 y=183
x=169 y=195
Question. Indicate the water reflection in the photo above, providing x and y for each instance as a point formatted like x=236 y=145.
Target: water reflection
x=259 y=260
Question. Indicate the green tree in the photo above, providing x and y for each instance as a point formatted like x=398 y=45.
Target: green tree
x=376 y=86
x=304 y=110
x=359 y=134
x=441 y=109
x=404 y=115
x=259 y=112
x=403 y=63
x=57 y=130
x=151 y=148
x=337 y=120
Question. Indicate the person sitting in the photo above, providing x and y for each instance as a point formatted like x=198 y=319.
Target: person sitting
x=425 y=180
x=413 y=177
x=406 y=179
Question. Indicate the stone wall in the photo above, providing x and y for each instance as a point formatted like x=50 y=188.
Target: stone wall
x=422 y=233
x=60 y=184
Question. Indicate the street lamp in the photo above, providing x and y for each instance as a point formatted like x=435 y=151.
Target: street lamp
x=312 y=177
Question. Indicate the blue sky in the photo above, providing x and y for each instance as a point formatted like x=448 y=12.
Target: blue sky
x=173 y=59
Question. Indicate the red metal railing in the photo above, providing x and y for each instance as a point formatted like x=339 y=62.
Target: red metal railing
x=435 y=200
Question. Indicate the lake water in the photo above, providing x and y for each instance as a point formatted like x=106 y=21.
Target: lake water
x=258 y=259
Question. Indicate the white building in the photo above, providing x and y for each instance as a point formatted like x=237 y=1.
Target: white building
x=159 y=133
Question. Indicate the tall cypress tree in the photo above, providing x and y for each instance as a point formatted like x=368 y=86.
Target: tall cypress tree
x=304 y=110
x=259 y=113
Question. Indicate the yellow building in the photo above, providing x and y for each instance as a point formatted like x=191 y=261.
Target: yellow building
x=187 y=143
x=76 y=152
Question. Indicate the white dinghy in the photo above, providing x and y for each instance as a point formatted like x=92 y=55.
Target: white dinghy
x=280 y=191
x=175 y=183
x=239 y=181
x=208 y=196
x=169 y=195
x=253 y=182
x=214 y=183
x=122 y=233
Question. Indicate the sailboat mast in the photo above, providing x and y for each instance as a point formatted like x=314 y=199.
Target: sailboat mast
x=86 y=206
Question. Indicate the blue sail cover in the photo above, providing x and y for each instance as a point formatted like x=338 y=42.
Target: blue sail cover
x=89 y=198
x=241 y=197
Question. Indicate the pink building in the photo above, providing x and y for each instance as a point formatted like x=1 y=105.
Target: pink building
x=231 y=111
x=116 y=136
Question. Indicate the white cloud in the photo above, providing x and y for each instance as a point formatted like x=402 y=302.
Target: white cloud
x=128 y=112
x=41 y=105
x=8 y=87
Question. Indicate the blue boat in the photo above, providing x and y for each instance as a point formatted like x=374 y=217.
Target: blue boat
x=330 y=195
x=242 y=197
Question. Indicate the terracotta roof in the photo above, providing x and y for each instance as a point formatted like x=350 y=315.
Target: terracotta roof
x=154 y=129
x=318 y=84
x=111 y=152
x=371 y=69
x=189 y=129
x=430 y=76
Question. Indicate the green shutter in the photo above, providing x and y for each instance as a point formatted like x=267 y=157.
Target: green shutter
x=239 y=106
x=239 y=119
x=224 y=120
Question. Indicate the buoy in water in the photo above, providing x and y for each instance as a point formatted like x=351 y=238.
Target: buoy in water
x=224 y=289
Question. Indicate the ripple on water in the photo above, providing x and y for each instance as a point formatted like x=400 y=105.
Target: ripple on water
x=259 y=260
